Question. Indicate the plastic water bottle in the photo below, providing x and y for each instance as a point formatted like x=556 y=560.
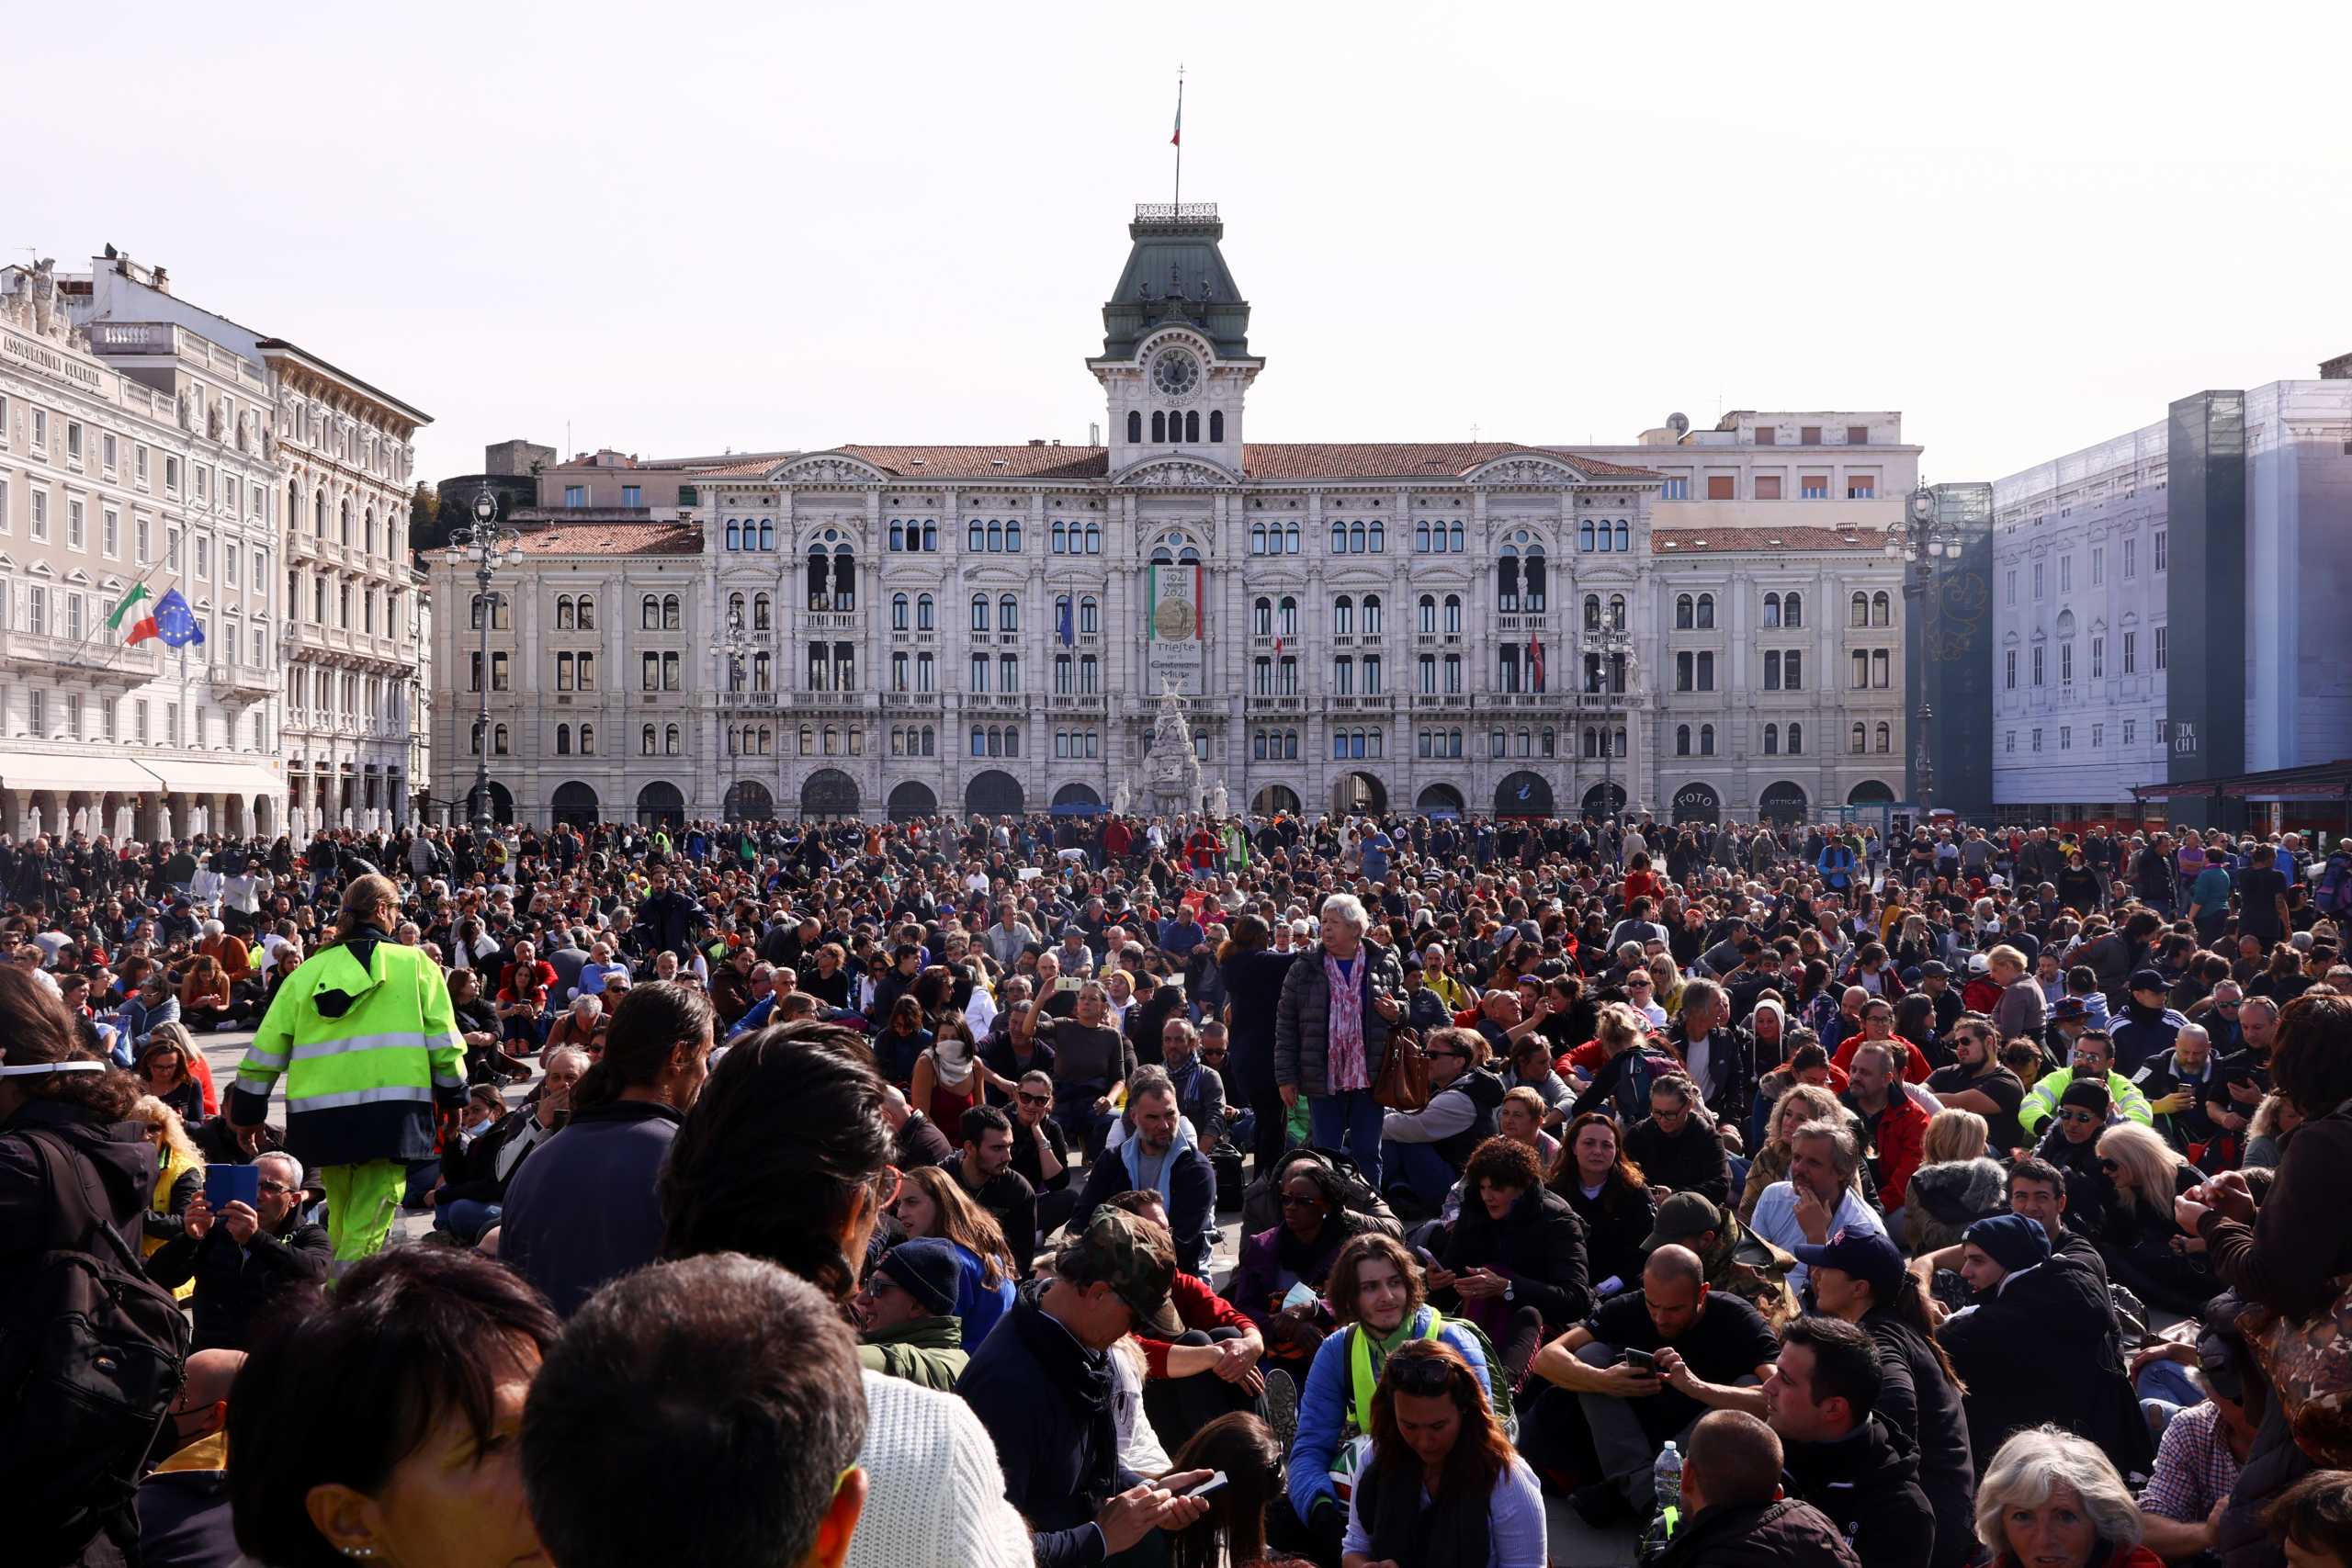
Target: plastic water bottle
x=1666 y=1478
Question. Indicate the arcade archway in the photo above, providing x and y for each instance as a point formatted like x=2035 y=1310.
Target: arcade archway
x=1698 y=802
x=573 y=803
x=911 y=800
x=828 y=791
x=747 y=800
x=1524 y=794
x=1359 y=794
x=1604 y=799
x=1274 y=800
x=994 y=793
x=1784 y=803
x=1439 y=800
x=661 y=805
x=1870 y=792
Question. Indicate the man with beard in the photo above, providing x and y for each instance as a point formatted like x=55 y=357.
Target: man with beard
x=1977 y=1081
x=985 y=1171
x=1163 y=1157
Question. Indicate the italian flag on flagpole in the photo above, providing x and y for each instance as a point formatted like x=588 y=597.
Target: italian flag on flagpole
x=144 y=628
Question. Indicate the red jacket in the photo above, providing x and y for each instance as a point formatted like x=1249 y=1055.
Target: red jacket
x=1197 y=1307
x=1901 y=1138
x=1915 y=1065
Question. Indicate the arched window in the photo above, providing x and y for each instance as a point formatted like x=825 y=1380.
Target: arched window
x=1584 y=537
x=587 y=739
x=976 y=537
x=763 y=612
x=832 y=744
x=735 y=609
x=563 y=621
x=1453 y=538
x=980 y=612
x=1339 y=537
x=1771 y=609
x=1532 y=576
x=1090 y=616
x=922 y=613
x=1134 y=427
x=1008 y=613
x=996 y=538
x=1258 y=539
x=670 y=740
x=1421 y=536
x=1216 y=426
x=1771 y=741
x=1591 y=741
x=1860 y=740
x=645 y=741
x=1093 y=539
x=1885 y=738
x=1859 y=612
x=898 y=534
x=1706 y=612
x=648 y=615
x=1682 y=740
x=1262 y=618
x=1592 y=611
x=899 y=604
x=346 y=512
x=1059 y=544
x=672 y=613
x=1453 y=615
x=1425 y=615
x=1193 y=425
x=1159 y=427
x=498 y=741
x=1682 y=612
x=1372 y=614
x=587 y=616
x=1616 y=612
x=1624 y=539
x=1507 y=580
x=808 y=739
x=930 y=535
x=1286 y=617
x=1796 y=740
x=1378 y=537
x=1793 y=610
x=1881 y=609
x=734 y=535
x=1706 y=741
x=1344 y=617
x=1012 y=535
x=563 y=741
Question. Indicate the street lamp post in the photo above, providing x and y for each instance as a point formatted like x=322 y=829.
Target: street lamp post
x=733 y=647
x=1615 y=650
x=1920 y=540
x=488 y=541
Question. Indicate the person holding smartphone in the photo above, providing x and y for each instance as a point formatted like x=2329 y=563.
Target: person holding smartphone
x=242 y=1254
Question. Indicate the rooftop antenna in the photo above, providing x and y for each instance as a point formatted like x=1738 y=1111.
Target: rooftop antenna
x=1176 y=139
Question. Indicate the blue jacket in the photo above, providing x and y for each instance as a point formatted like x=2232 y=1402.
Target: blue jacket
x=1188 y=1189
x=1323 y=1409
x=582 y=1210
x=977 y=1302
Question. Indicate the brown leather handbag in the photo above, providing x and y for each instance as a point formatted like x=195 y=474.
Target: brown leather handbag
x=1404 y=1082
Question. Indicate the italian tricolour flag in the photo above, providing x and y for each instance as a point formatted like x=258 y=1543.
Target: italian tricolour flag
x=144 y=628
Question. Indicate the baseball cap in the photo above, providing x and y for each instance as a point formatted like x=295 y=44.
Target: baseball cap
x=2149 y=980
x=1978 y=963
x=1131 y=1255
x=1865 y=1255
x=1682 y=1216
x=1934 y=969
x=2071 y=1007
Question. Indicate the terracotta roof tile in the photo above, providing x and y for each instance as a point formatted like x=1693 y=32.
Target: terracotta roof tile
x=961 y=463
x=613 y=539
x=1261 y=460
x=1710 y=541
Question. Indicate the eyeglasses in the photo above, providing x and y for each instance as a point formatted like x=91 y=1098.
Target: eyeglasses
x=2108 y=1166
x=1637 y=984
x=1029 y=1099
x=275 y=1187
x=1212 y=1054
x=2076 y=1118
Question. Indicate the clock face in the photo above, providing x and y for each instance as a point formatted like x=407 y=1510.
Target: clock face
x=1176 y=373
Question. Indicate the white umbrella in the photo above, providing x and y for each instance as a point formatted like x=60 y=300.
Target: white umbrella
x=123 y=822
x=32 y=823
x=164 y=822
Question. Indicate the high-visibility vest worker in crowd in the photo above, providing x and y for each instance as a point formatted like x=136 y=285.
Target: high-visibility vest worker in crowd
x=365 y=1037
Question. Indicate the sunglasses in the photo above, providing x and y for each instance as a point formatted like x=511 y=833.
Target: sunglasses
x=2108 y=1166
x=1637 y=984
x=2076 y=1118
x=1028 y=1098
x=1421 y=1376
x=1455 y=1055
x=1212 y=1054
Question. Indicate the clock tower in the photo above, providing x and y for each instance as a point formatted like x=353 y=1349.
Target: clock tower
x=1175 y=365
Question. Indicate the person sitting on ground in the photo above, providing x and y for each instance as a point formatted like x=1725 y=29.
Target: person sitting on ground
x=985 y=1172
x=1894 y=1124
x=1676 y=1146
x=743 y=1395
x=1956 y=1184
x=932 y=1203
x=1843 y=1458
x=2146 y=1251
x=2052 y=1500
x=1279 y=1282
x=1442 y=1484
x=1818 y=1199
x=380 y=1421
x=183 y=1504
x=2203 y=1449
x=1234 y=1530
x=471 y=1194
x=1609 y=1194
x=906 y=1314
x=1799 y=1104
x=1424 y=1151
x=1163 y=1157
x=2311 y=1520
x=1196 y=1331
x=1043 y=1389
x=1738 y=1262
x=1733 y=1513
x=2072 y=1144
x=1379 y=1300
x=2091 y=1060
x=240 y=1257
x=1607 y=1409
x=1515 y=1259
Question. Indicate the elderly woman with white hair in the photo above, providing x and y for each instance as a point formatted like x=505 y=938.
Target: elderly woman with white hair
x=1331 y=1027
x=2050 y=1499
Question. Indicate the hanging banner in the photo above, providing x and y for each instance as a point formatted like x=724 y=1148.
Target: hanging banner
x=1175 y=607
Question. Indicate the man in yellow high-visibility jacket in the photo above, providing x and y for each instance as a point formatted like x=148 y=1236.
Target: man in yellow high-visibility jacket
x=365 y=1037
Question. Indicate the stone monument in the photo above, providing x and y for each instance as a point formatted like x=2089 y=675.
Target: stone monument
x=1175 y=772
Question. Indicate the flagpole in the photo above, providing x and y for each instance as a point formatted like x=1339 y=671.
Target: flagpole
x=98 y=622
x=1180 y=136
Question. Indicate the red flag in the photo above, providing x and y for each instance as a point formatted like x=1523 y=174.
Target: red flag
x=143 y=631
x=1176 y=139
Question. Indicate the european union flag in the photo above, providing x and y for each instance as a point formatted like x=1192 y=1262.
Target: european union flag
x=176 y=621
x=1062 y=626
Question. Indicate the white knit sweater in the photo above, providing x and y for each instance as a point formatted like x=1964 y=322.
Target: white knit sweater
x=935 y=1494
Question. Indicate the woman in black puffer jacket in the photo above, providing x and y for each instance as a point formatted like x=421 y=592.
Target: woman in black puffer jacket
x=1516 y=1259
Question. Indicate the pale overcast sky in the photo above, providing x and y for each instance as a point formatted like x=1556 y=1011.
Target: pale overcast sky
x=686 y=228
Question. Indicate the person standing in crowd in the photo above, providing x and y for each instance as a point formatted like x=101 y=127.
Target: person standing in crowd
x=1331 y=1026
x=357 y=1114
x=582 y=1210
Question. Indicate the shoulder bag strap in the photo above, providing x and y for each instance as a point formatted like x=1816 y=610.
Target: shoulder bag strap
x=81 y=1199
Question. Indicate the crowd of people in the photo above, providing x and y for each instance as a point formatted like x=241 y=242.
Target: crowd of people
x=1358 y=1192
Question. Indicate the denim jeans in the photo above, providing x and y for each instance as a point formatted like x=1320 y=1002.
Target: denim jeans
x=465 y=1218
x=1350 y=1119
x=1421 y=1168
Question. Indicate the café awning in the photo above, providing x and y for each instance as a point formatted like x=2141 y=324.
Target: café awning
x=2321 y=780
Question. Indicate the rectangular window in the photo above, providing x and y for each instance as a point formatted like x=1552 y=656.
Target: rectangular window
x=632 y=495
x=73 y=440
x=73 y=616
x=138 y=721
x=2009 y=587
x=1768 y=487
x=2164 y=648
x=499 y=680
x=1677 y=488
x=1720 y=487
x=2037 y=665
x=1809 y=435
x=110 y=533
x=2131 y=559
x=2099 y=736
x=40 y=516
x=652 y=671
x=2066 y=738
x=142 y=541
x=138 y=465
x=2065 y=663
x=2099 y=565
x=575 y=495
x=1860 y=487
x=1858 y=436
x=2065 y=574
x=2037 y=582
x=2130 y=653
x=2037 y=740
x=1766 y=435
x=2009 y=669
x=203 y=482
x=171 y=476
x=1813 y=486
x=2098 y=657
x=107 y=448
x=41 y=428
x=2131 y=731
x=75 y=521
x=2009 y=743
x=6 y=524
x=2164 y=548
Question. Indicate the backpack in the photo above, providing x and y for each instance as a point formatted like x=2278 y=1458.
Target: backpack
x=2334 y=894
x=90 y=1352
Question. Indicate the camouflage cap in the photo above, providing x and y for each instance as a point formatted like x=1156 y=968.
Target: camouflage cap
x=1131 y=1255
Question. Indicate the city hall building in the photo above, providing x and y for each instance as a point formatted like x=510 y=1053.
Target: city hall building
x=1701 y=623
